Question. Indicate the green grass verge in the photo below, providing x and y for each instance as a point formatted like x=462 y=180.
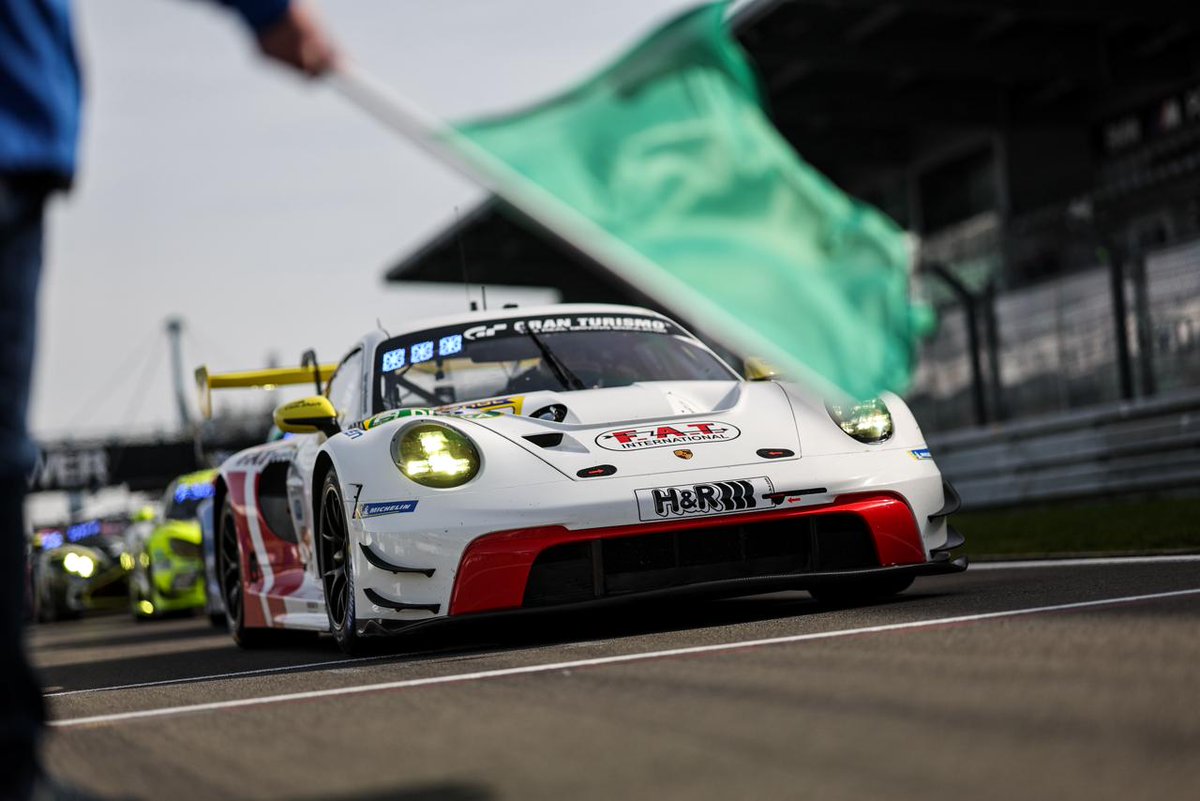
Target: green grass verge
x=1138 y=526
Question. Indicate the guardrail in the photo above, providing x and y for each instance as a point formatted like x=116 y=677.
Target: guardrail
x=1123 y=447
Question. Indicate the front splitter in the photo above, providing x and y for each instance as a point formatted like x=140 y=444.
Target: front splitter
x=942 y=564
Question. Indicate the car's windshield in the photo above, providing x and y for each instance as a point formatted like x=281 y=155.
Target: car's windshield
x=521 y=355
x=105 y=535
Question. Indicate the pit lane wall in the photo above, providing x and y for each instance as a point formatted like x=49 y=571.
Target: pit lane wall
x=1105 y=451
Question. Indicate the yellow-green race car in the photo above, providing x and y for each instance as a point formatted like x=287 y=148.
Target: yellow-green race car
x=164 y=554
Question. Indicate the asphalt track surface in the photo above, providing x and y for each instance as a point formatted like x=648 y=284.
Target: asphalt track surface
x=1031 y=681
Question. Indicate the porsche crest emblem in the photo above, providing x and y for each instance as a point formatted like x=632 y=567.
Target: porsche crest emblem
x=684 y=453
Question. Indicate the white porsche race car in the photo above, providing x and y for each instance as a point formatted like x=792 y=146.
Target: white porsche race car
x=564 y=455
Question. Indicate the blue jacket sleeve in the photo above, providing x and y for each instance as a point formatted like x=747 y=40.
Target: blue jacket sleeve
x=258 y=14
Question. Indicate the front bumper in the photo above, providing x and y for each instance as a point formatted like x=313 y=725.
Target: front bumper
x=553 y=565
x=729 y=588
x=857 y=536
x=177 y=584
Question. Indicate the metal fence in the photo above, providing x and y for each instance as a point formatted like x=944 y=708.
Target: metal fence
x=1173 y=300
x=1055 y=348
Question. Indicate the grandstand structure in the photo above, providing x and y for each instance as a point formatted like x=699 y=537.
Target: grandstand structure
x=1047 y=154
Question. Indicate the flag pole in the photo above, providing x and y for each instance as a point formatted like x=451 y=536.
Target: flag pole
x=446 y=145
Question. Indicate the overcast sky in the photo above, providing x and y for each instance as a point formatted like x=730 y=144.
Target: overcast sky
x=263 y=209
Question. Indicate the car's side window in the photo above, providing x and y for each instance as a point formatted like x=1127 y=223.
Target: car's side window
x=345 y=388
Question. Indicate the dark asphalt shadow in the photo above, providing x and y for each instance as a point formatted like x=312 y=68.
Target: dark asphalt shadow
x=185 y=665
x=455 y=637
x=530 y=628
x=141 y=631
x=450 y=791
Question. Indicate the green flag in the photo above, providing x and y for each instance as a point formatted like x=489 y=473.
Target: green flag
x=669 y=151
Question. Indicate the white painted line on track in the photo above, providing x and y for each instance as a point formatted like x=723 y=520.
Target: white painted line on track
x=411 y=658
x=975 y=566
x=1084 y=561
x=604 y=660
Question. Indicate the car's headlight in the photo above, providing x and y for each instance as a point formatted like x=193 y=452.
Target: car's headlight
x=435 y=455
x=80 y=564
x=868 y=421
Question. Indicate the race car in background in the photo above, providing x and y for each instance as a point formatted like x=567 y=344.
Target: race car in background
x=214 y=607
x=561 y=456
x=78 y=568
x=164 y=555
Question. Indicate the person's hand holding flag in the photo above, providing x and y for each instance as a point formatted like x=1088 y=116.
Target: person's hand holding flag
x=298 y=40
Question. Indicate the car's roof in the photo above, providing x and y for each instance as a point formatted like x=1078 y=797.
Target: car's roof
x=497 y=313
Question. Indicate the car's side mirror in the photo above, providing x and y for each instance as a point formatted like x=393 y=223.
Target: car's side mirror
x=308 y=416
x=757 y=369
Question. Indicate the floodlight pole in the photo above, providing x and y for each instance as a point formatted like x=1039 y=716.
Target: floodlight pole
x=174 y=332
x=970 y=309
x=1120 y=310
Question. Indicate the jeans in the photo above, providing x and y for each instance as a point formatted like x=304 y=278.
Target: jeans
x=21 y=711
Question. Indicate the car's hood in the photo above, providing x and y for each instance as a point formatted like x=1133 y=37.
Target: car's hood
x=188 y=530
x=654 y=427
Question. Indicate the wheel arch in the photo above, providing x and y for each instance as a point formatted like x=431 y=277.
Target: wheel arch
x=220 y=493
x=321 y=468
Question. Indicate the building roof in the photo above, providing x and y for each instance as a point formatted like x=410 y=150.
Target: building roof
x=870 y=92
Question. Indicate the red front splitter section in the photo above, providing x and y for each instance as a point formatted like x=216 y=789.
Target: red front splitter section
x=494 y=570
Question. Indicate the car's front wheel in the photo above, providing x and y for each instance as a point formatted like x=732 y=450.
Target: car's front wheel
x=137 y=596
x=851 y=592
x=135 y=601
x=49 y=607
x=337 y=567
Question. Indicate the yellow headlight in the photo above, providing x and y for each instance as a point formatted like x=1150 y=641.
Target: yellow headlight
x=868 y=422
x=435 y=455
x=80 y=564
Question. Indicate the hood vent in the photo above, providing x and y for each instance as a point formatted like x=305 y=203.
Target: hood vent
x=599 y=471
x=551 y=440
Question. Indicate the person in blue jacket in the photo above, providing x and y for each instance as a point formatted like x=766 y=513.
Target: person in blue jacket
x=40 y=100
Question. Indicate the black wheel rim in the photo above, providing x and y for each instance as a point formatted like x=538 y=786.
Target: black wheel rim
x=333 y=539
x=230 y=568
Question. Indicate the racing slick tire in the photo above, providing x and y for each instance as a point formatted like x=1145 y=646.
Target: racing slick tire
x=852 y=592
x=48 y=612
x=136 y=597
x=337 y=568
x=233 y=591
x=54 y=607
